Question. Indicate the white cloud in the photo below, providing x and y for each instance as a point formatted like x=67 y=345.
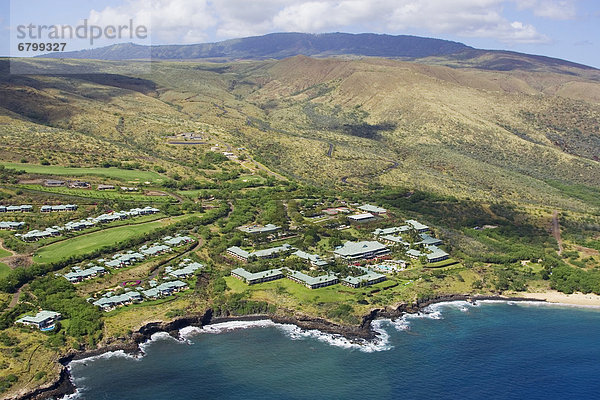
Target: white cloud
x=553 y=9
x=189 y=21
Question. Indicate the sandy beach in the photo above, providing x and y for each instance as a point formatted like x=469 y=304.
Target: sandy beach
x=579 y=299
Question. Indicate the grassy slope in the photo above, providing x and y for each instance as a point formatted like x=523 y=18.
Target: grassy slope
x=471 y=133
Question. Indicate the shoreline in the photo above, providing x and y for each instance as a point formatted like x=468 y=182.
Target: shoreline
x=575 y=299
x=64 y=386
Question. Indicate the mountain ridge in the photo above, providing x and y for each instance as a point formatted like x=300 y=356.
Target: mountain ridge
x=284 y=45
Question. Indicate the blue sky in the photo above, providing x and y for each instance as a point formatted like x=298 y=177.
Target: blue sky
x=567 y=29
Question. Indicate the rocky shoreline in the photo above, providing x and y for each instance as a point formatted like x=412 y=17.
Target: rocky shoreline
x=63 y=385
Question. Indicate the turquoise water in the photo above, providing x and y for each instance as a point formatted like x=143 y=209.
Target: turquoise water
x=491 y=351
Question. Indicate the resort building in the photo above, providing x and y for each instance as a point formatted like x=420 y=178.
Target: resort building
x=433 y=254
x=105 y=187
x=22 y=208
x=368 y=278
x=165 y=289
x=43 y=320
x=358 y=250
x=416 y=225
x=272 y=252
x=391 y=231
x=252 y=278
x=314 y=259
x=361 y=218
x=79 y=185
x=312 y=282
x=187 y=270
x=108 y=303
x=78 y=275
x=53 y=183
x=259 y=229
x=372 y=209
x=123 y=260
x=155 y=250
x=60 y=207
x=238 y=253
x=11 y=225
x=177 y=240
x=393 y=240
x=428 y=240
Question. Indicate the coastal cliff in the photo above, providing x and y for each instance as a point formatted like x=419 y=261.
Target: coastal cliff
x=63 y=385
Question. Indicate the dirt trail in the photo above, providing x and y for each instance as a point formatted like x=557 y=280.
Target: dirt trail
x=556 y=231
x=15 y=298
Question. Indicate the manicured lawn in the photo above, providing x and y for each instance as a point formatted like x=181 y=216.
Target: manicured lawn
x=100 y=194
x=87 y=243
x=4 y=253
x=4 y=270
x=112 y=172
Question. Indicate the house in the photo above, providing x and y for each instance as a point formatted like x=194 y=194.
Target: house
x=177 y=240
x=3 y=209
x=360 y=250
x=105 y=187
x=108 y=303
x=314 y=259
x=155 y=250
x=129 y=189
x=252 y=278
x=53 y=183
x=361 y=218
x=43 y=320
x=259 y=229
x=312 y=282
x=26 y=208
x=187 y=271
x=433 y=254
x=79 y=185
x=165 y=289
x=416 y=225
x=366 y=279
x=81 y=275
x=11 y=225
x=372 y=209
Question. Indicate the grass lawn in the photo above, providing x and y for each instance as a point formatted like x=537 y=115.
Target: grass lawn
x=4 y=253
x=112 y=172
x=99 y=194
x=4 y=270
x=87 y=243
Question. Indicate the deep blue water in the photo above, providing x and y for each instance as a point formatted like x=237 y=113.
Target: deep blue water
x=492 y=351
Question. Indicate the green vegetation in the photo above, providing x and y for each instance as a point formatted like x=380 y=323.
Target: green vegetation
x=88 y=243
x=111 y=172
x=4 y=270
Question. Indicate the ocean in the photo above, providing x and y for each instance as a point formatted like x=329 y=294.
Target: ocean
x=492 y=350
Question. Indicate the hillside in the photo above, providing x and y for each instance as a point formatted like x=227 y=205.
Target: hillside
x=517 y=136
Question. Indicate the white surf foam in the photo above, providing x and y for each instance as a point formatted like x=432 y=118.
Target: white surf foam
x=295 y=333
x=107 y=355
x=380 y=343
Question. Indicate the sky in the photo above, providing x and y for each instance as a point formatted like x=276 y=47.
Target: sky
x=567 y=29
